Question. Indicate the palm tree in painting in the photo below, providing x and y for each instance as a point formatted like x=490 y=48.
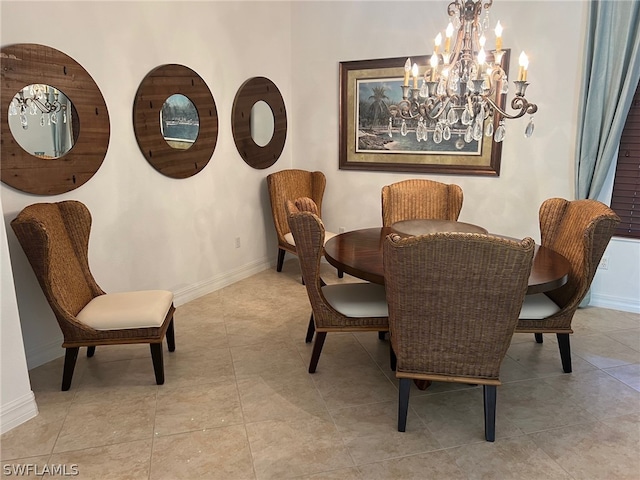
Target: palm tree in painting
x=378 y=108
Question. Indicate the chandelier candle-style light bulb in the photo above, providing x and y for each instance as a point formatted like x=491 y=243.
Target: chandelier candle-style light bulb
x=438 y=42
x=414 y=72
x=433 y=61
x=407 y=72
x=448 y=34
x=524 y=65
x=498 y=32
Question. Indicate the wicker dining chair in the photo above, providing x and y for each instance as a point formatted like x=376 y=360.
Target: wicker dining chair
x=454 y=300
x=415 y=199
x=580 y=230
x=344 y=307
x=55 y=239
x=289 y=185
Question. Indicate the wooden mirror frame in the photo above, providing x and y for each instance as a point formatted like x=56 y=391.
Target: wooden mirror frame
x=153 y=92
x=27 y=64
x=251 y=92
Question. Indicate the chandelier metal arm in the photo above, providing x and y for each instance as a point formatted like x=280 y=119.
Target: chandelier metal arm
x=518 y=103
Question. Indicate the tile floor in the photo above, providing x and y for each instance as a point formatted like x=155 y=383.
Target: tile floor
x=238 y=403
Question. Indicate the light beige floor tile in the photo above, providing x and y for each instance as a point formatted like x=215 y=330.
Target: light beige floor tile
x=277 y=396
x=510 y=458
x=130 y=372
x=370 y=432
x=201 y=338
x=630 y=338
x=349 y=386
x=246 y=330
x=284 y=449
x=341 y=474
x=31 y=467
x=266 y=358
x=457 y=417
x=597 y=393
x=98 y=418
x=436 y=465
x=628 y=374
x=218 y=453
x=591 y=320
x=599 y=450
x=603 y=351
x=121 y=461
x=543 y=360
x=36 y=436
x=194 y=367
x=197 y=407
x=46 y=382
x=533 y=405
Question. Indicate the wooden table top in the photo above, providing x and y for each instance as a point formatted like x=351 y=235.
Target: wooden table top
x=359 y=253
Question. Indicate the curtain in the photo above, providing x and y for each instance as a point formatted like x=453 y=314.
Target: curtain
x=611 y=74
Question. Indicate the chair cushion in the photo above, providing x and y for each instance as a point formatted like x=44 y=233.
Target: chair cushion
x=357 y=299
x=537 y=307
x=289 y=237
x=141 y=309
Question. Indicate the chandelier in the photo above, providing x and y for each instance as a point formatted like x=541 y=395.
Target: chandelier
x=38 y=99
x=463 y=87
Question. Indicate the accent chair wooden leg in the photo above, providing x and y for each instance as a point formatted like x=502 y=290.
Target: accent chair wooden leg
x=382 y=335
x=317 y=349
x=158 y=364
x=70 y=357
x=403 y=403
x=565 y=351
x=538 y=337
x=393 y=360
x=171 y=337
x=489 y=392
x=91 y=351
x=310 y=330
x=340 y=274
x=281 y=253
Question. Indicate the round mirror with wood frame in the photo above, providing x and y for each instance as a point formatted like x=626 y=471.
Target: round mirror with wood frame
x=252 y=91
x=158 y=86
x=26 y=64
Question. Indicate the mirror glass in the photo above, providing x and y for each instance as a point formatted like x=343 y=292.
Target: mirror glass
x=179 y=122
x=42 y=122
x=262 y=123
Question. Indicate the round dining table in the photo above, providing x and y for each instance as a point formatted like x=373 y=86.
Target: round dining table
x=359 y=252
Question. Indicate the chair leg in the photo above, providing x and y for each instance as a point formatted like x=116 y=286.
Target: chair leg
x=403 y=403
x=317 y=349
x=70 y=357
x=489 y=392
x=91 y=351
x=310 y=330
x=158 y=364
x=565 y=351
x=281 y=253
x=340 y=274
x=538 y=337
x=393 y=360
x=171 y=337
x=382 y=335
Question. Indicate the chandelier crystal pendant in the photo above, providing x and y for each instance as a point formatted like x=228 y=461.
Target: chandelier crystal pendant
x=463 y=84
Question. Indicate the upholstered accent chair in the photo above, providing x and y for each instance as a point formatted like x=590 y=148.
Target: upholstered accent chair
x=343 y=307
x=55 y=239
x=289 y=185
x=415 y=199
x=580 y=230
x=454 y=301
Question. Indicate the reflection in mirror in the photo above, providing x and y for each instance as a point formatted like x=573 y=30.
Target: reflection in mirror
x=262 y=123
x=179 y=122
x=41 y=121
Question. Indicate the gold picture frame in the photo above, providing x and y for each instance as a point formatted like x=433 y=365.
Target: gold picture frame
x=375 y=146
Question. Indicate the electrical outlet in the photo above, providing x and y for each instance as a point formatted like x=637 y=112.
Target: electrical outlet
x=341 y=230
x=237 y=242
x=604 y=263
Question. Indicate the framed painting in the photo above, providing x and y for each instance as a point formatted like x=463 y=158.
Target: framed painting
x=381 y=132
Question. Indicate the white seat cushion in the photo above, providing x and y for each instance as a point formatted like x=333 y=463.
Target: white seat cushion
x=357 y=299
x=289 y=237
x=114 y=311
x=537 y=307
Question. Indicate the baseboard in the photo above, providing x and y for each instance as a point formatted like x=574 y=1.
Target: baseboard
x=17 y=412
x=41 y=354
x=198 y=290
x=615 y=303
